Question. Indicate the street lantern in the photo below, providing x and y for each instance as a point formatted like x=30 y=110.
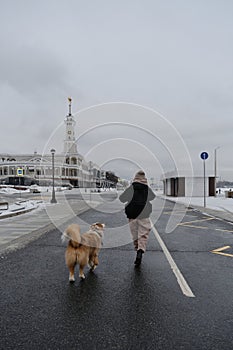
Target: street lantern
x=53 y=199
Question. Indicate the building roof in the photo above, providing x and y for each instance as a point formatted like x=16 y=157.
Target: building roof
x=185 y=173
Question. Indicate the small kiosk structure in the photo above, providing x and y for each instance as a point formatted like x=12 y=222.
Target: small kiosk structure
x=182 y=184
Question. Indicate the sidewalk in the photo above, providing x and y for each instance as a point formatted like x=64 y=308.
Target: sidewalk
x=40 y=216
x=17 y=231
x=219 y=207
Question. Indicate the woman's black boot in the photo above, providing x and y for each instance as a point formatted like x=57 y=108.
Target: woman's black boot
x=138 y=260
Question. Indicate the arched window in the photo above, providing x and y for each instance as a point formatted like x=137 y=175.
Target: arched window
x=73 y=160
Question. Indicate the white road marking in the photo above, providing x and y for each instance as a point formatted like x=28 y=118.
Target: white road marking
x=180 y=278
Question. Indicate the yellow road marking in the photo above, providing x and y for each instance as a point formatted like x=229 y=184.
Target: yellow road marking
x=191 y=222
x=176 y=211
x=219 y=251
x=219 y=229
x=225 y=254
x=170 y=210
x=200 y=227
x=184 y=214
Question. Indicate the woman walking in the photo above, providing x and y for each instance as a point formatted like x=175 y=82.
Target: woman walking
x=138 y=209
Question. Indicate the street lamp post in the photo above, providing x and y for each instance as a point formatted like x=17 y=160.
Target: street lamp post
x=53 y=199
x=152 y=181
x=215 y=169
x=90 y=179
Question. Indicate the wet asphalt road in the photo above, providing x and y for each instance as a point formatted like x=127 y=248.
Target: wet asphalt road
x=119 y=306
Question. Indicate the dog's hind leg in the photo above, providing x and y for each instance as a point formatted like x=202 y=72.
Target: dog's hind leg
x=71 y=276
x=95 y=262
x=70 y=262
x=81 y=273
x=91 y=262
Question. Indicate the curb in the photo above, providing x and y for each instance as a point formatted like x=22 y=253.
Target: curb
x=20 y=212
x=220 y=215
x=6 y=216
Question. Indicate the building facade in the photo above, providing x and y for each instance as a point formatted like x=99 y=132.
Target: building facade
x=187 y=185
x=70 y=167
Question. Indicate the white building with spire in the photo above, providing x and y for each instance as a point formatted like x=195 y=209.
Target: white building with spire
x=70 y=167
x=70 y=146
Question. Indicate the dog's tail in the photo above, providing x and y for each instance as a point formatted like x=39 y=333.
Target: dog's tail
x=72 y=233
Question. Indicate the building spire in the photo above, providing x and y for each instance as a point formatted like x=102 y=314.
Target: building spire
x=70 y=102
x=70 y=146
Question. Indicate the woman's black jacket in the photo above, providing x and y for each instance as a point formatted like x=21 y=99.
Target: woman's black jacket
x=138 y=197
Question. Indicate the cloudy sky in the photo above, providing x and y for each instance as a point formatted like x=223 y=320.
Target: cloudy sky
x=169 y=63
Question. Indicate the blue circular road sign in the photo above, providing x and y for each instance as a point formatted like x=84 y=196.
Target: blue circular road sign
x=204 y=155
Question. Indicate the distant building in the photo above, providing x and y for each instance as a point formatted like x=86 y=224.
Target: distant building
x=182 y=184
x=70 y=166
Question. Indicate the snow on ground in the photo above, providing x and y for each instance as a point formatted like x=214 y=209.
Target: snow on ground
x=220 y=202
x=20 y=207
x=33 y=189
x=43 y=189
x=16 y=206
x=11 y=190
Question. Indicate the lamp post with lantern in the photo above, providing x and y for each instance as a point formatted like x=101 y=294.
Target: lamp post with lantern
x=53 y=199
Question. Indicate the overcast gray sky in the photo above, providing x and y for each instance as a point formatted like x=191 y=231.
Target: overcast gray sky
x=174 y=57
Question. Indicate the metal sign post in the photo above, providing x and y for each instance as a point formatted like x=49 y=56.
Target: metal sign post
x=204 y=156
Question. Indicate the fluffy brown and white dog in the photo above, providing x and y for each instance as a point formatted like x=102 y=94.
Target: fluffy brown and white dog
x=82 y=249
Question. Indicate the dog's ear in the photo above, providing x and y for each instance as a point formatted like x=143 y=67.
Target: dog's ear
x=98 y=225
